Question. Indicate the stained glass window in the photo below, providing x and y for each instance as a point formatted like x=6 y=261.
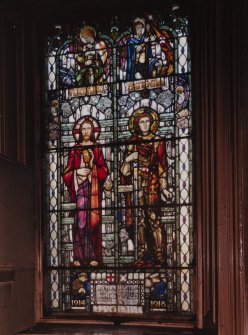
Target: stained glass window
x=119 y=161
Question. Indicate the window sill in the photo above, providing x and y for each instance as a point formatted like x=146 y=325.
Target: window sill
x=105 y=330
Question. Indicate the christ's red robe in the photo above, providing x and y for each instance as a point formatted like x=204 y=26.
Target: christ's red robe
x=98 y=176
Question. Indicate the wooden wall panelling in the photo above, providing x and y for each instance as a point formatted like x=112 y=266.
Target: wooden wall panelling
x=12 y=124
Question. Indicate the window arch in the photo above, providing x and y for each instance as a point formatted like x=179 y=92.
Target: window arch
x=119 y=157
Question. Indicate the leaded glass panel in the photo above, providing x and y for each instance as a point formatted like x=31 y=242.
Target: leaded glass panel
x=119 y=168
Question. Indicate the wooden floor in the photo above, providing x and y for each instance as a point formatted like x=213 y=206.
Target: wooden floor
x=60 y=329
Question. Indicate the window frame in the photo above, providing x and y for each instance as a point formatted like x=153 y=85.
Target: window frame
x=212 y=253
x=183 y=322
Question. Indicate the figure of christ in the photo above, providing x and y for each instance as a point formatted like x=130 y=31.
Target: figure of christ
x=84 y=177
x=145 y=161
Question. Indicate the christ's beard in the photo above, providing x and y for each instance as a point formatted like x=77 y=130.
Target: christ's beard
x=86 y=138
